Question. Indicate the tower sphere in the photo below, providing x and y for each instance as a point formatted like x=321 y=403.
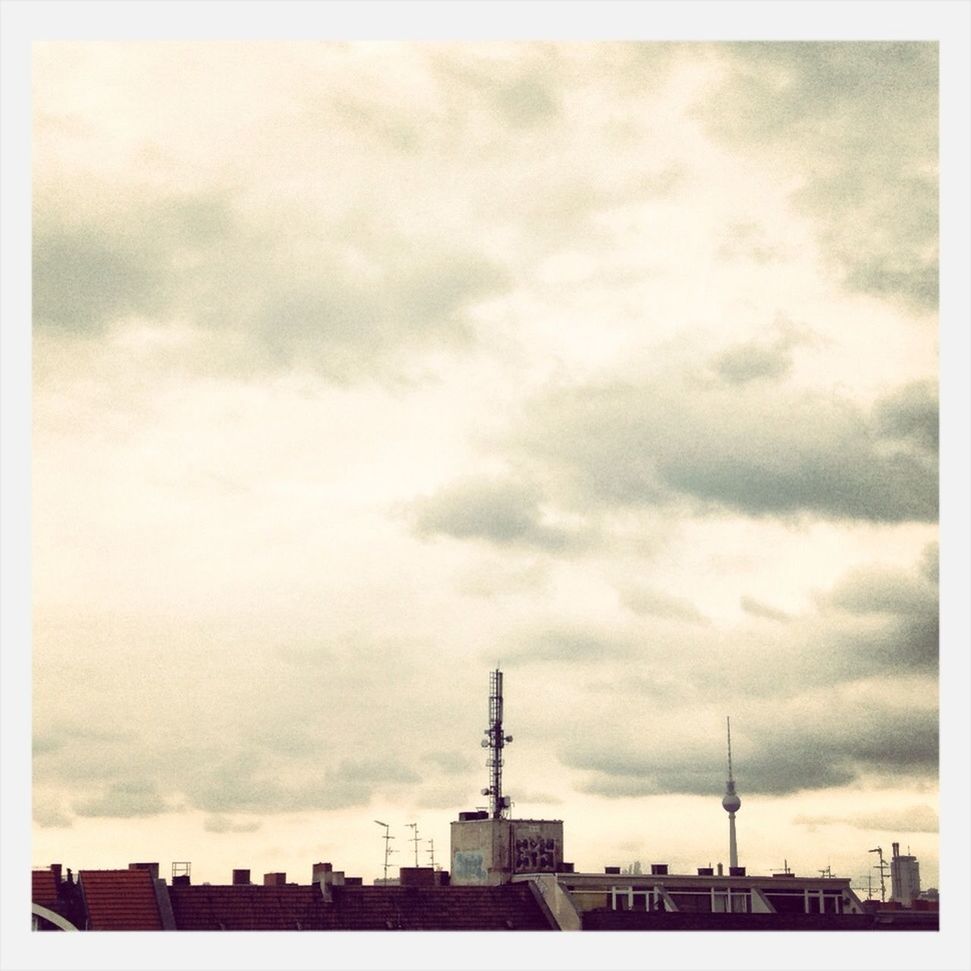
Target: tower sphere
x=731 y=802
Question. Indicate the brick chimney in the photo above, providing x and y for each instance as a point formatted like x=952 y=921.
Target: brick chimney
x=241 y=878
x=326 y=877
x=151 y=867
x=416 y=876
x=274 y=879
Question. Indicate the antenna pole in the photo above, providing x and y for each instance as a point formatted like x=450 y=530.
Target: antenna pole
x=882 y=867
x=414 y=839
x=387 y=847
x=495 y=740
x=431 y=852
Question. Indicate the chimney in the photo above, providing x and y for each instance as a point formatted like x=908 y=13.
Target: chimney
x=56 y=870
x=240 y=878
x=659 y=869
x=274 y=879
x=612 y=869
x=736 y=871
x=720 y=870
x=151 y=867
x=896 y=849
x=416 y=876
x=323 y=876
x=706 y=871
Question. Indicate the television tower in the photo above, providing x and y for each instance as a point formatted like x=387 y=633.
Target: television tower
x=731 y=802
x=494 y=741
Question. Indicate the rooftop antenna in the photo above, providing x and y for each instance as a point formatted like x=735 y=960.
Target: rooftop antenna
x=494 y=741
x=731 y=802
x=414 y=839
x=387 y=846
x=783 y=869
x=882 y=867
x=431 y=852
x=869 y=886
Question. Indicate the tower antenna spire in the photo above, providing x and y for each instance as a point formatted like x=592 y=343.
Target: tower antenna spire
x=731 y=802
x=728 y=722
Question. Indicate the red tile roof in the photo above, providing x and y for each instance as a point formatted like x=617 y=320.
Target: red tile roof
x=120 y=900
x=43 y=889
x=236 y=908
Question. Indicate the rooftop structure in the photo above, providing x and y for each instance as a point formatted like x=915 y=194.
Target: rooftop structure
x=133 y=899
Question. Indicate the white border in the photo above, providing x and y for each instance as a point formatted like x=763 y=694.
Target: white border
x=23 y=22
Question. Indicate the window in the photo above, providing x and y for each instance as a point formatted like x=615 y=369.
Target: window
x=741 y=902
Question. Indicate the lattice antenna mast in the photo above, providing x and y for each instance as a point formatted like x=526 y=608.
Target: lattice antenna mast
x=414 y=839
x=387 y=846
x=495 y=741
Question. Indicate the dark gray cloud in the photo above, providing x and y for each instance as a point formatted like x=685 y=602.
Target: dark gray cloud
x=643 y=600
x=92 y=269
x=861 y=118
x=788 y=756
x=568 y=645
x=894 y=620
x=124 y=798
x=748 y=362
x=749 y=449
x=375 y=771
x=500 y=511
x=911 y=819
x=910 y=413
x=766 y=358
x=930 y=563
x=875 y=590
x=758 y=609
x=450 y=762
x=49 y=814
x=269 y=294
x=527 y=102
x=222 y=824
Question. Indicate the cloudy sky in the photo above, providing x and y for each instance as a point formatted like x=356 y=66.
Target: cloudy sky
x=361 y=367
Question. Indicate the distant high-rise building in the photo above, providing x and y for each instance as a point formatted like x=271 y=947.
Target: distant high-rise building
x=904 y=877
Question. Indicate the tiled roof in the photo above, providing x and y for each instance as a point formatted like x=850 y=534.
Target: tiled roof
x=120 y=900
x=258 y=908
x=43 y=889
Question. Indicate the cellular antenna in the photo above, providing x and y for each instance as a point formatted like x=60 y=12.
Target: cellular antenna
x=731 y=802
x=495 y=741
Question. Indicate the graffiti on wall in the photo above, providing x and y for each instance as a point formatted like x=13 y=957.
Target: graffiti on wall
x=467 y=867
x=535 y=854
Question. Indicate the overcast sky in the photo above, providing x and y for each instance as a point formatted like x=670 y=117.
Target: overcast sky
x=358 y=368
